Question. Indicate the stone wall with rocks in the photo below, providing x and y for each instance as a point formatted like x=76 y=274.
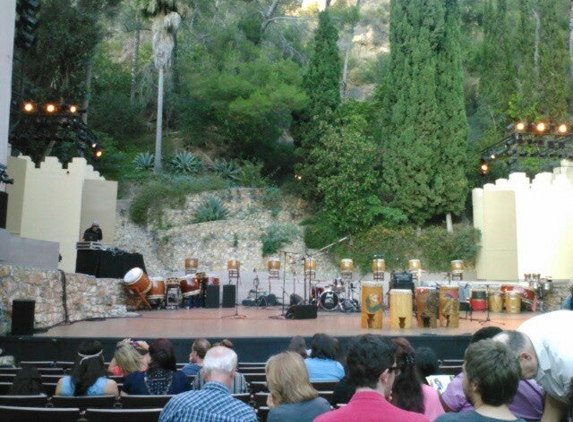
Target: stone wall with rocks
x=87 y=297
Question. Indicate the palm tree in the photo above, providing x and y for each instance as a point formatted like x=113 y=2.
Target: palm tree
x=166 y=16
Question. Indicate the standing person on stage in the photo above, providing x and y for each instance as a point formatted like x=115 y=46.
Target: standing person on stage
x=491 y=376
x=93 y=233
x=527 y=402
x=371 y=368
x=214 y=402
x=199 y=349
x=545 y=351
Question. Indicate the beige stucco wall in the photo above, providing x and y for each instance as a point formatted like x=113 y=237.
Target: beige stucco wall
x=527 y=227
x=56 y=204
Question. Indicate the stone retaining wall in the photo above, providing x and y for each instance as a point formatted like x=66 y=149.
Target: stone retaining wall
x=87 y=296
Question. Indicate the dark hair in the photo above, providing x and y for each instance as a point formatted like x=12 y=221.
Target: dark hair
x=201 y=346
x=27 y=381
x=495 y=369
x=426 y=362
x=89 y=366
x=323 y=347
x=485 y=332
x=298 y=345
x=570 y=397
x=368 y=356
x=407 y=390
x=162 y=355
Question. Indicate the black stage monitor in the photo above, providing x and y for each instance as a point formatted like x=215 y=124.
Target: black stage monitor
x=403 y=281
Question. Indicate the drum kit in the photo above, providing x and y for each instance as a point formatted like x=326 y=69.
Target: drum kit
x=337 y=296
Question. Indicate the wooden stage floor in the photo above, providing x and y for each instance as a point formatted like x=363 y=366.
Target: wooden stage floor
x=259 y=322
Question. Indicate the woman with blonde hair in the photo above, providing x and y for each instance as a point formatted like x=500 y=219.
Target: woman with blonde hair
x=292 y=396
x=130 y=356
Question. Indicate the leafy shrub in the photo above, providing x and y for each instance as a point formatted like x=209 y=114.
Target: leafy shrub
x=184 y=162
x=275 y=237
x=228 y=170
x=272 y=199
x=211 y=209
x=250 y=175
x=144 y=161
x=319 y=232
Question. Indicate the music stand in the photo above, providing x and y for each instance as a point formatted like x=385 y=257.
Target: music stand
x=234 y=274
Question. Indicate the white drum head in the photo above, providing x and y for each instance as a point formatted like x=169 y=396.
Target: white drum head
x=133 y=275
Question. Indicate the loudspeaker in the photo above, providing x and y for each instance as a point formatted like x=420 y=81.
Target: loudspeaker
x=213 y=294
x=3 y=209
x=23 y=317
x=295 y=299
x=302 y=312
x=229 y=296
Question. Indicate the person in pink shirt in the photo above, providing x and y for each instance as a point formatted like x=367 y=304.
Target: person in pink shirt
x=409 y=392
x=372 y=369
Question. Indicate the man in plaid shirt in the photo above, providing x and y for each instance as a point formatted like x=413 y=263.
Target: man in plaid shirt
x=214 y=402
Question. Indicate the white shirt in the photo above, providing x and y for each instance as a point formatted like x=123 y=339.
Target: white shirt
x=550 y=334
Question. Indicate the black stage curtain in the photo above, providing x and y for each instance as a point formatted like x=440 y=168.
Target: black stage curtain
x=107 y=264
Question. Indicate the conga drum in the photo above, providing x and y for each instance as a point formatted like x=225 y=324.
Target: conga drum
x=457 y=266
x=274 y=265
x=189 y=286
x=191 y=265
x=512 y=302
x=346 y=266
x=414 y=265
x=310 y=268
x=372 y=297
x=400 y=308
x=137 y=281
x=427 y=306
x=157 y=291
x=495 y=301
x=478 y=300
x=378 y=268
x=449 y=306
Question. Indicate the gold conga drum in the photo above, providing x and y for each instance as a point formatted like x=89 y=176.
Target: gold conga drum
x=414 y=265
x=310 y=268
x=428 y=307
x=495 y=301
x=449 y=306
x=378 y=268
x=512 y=302
x=457 y=266
x=400 y=308
x=372 y=296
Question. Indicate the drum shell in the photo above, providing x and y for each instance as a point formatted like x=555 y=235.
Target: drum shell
x=427 y=306
x=478 y=301
x=512 y=302
x=338 y=285
x=233 y=264
x=316 y=292
x=495 y=301
x=371 y=310
x=414 y=265
x=346 y=265
x=378 y=265
x=136 y=280
x=191 y=263
x=457 y=266
x=400 y=308
x=157 y=291
x=274 y=264
x=527 y=295
x=449 y=306
x=310 y=264
x=189 y=286
x=329 y=300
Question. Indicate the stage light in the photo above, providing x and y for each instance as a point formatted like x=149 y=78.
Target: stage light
x=298 y=177
x=541 y=127
x=50 y=108
x=484 y=167
x=562 y=129
x=73 y=109
x=493 y=156
x=520 y=126
x=98 y=153
x=29 y=107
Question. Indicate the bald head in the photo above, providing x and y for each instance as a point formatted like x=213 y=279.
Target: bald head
x=520 y=345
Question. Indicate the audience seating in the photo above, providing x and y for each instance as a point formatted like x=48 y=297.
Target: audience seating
x=122 y=415
x=9 y=371
x=261 y=399
x=324 y=385
x=252 y=370
x=258 y=386
x=4 y=387
x=50 y=388
x=83 y=402
x=7 y=378
x=36 y=400
x=38 y=414
x=255 y=377
x=262 y=413
x=144 y=401
x=38 y=363
x=327 y=395
x=244 y=397
x=449 y=370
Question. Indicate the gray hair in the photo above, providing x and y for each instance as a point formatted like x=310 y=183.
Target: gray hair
x=221 y=360
x=515 y=341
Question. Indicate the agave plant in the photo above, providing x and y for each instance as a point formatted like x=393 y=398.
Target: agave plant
x=186 y=163
x=211 y=209
x=228 y=170
x=144 y=161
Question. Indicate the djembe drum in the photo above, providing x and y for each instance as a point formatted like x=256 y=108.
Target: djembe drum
x=449 y=306
x=400 y=308
x=427 y=306
x=372 y=296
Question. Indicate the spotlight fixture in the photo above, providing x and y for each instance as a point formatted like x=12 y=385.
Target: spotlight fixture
x=541 y=127
x=562 y=129
x=51 y=108
x=484 y=167
x=72 y=108
x=29 y=107
x=520 y=126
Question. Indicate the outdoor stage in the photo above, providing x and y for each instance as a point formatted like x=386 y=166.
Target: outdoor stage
x=257 y=334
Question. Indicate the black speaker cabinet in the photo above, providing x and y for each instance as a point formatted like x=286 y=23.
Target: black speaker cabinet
x=304 y=311
x=213 y=296
x=229 y=296
x=23 y=317
x=3 y=209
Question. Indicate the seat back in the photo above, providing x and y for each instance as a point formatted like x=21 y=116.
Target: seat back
x=36 y=400
x=38 y=414
x=83 y=402
x=122 y=415
x=144 y=401
x=324 y=385
x=244 y=397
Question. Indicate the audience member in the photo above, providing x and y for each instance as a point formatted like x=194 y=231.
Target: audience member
x=213 y=403
x=298 y=345
x=427 y=362
x=491 y=377
x=409 y=392
x=199 y=349
x=545 y=353
x=527 y=403
x=371 y=368
x=239 y=384
x=568 y=303
x=292 y=396
x=88 y=374
x=322 y=364
x=162 y=377
x=27 y=381
x=130 y=356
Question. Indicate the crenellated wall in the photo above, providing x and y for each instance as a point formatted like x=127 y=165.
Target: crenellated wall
x=527 y=226
x=86 y=296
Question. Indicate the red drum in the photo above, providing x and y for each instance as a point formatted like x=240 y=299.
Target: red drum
x=189 y=286
x=212 y=279
x=136 y=280
x=338 y=285
x=157 y=291
x=315 y=292
x=527 y=295
x=478 y=301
